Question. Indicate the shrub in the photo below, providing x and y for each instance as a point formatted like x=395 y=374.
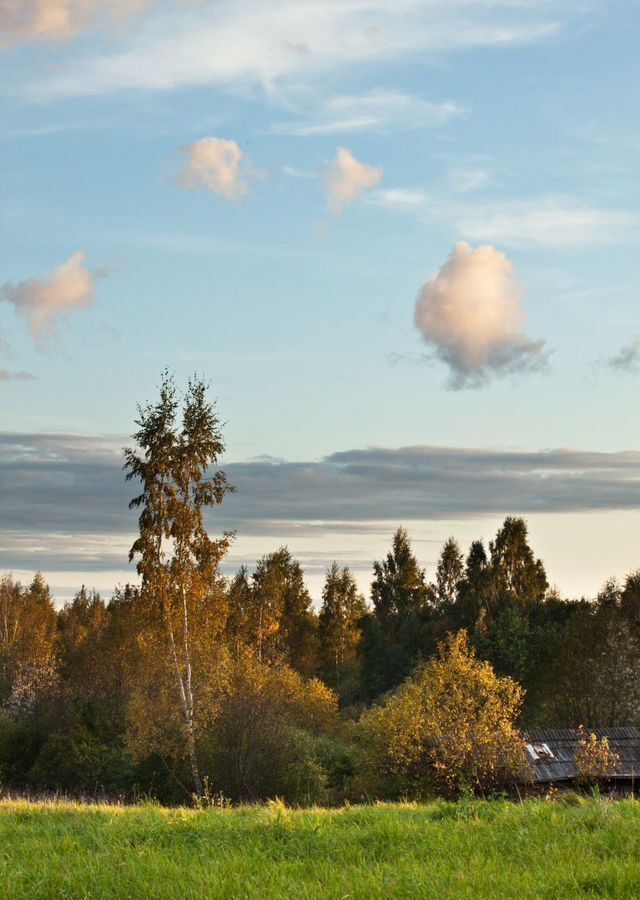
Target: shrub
x=267 y=738
x=594 y=757
x=451 y=727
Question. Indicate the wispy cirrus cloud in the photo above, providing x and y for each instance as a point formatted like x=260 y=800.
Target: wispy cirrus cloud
x=346 y=178
x=470 y=314
x=550 y=221
x=466 y=179
x=251 y=42
x=44 y=300
x=378 y=110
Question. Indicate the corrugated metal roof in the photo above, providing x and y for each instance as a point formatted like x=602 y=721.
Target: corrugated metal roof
x=562 y=742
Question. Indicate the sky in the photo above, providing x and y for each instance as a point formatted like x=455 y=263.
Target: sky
x=402 y=241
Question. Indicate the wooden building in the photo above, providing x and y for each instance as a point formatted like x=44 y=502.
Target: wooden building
x=551 y=752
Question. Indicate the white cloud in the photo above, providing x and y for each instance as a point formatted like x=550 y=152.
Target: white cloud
x=470 y=313
x=628 y=359
x=403 y=200
x=346 y=178
x=41 y=301
x=463 y=181
x=253 y=42
x=550 y=221
x=218 y=165
x=378 y=110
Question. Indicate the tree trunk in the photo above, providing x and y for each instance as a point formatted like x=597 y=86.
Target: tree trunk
x=187 y=712
x=189 y=694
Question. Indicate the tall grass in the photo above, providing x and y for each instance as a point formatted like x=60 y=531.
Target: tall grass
x=473 y=849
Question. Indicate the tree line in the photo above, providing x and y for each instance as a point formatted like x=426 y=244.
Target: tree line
x=190 y=683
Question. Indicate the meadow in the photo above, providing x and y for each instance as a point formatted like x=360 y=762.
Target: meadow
x=541 y=849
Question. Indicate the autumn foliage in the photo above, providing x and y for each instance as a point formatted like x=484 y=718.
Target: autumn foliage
x=451 y=725
x=594 y=758
x=195 y=680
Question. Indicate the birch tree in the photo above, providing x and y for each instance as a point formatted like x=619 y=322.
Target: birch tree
x=176 y=444
x=27 y=641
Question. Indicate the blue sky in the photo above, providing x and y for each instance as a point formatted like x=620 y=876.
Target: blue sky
x=503 y=124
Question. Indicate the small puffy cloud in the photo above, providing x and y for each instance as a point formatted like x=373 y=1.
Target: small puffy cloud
x=218 y=165
x=470 y=313
x=628 y=359
x=41 y=301
x=346 y=178
x=6 y=375
x=58 y=20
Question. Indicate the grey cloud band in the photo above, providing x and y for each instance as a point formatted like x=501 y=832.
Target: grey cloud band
x=69 y=484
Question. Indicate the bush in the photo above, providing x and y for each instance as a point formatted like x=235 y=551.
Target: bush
x=267 y=738
x=77 y=762
x=594 y=758
x=450 y=727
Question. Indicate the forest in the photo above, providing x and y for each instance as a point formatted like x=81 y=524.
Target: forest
x=191 y=684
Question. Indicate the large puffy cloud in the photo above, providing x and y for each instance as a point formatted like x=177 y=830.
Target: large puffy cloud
x=41 y=301
x=56 y=20
x=218 y=165
x=346 y=178
x=470 y=313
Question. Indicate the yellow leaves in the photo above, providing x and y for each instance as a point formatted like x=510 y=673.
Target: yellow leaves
x=594 y=757
x=454 y=718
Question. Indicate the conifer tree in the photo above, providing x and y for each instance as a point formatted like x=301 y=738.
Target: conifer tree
x=240 y=602
x=339 y=625
x=472 y=595
x=283 y=619
x=393 y=634
x=448 y=575
x=516 y=576
x=399 y=591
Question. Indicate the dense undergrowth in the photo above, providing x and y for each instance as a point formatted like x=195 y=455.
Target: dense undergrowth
x=568 y=848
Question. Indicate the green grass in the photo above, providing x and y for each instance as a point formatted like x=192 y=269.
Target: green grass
x=474 y=849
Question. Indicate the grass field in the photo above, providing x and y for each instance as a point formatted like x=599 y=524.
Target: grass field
x=473 y=849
